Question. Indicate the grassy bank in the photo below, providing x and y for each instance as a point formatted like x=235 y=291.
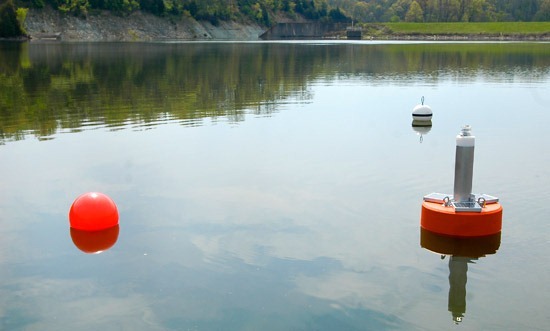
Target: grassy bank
x=460 y=28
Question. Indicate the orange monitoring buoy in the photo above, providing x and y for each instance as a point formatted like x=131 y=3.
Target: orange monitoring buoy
x=93 y=211
x=462 y=214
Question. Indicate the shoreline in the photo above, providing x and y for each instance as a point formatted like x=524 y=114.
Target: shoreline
x=48 y=24
x=472 y=38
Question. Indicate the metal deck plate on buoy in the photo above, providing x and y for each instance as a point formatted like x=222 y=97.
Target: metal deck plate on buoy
x=462 y=206
x=468 y=206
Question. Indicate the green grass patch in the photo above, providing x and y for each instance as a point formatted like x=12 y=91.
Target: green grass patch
x=460 y=28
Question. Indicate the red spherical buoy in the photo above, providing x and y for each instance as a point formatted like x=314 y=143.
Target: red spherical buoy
x=93 y=211
x=94 y=242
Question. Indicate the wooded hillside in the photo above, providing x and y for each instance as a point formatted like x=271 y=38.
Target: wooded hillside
x=268 y=12
x=264 y=11
x=445 y=10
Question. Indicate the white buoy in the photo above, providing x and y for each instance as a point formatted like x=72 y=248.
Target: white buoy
x=422 y=115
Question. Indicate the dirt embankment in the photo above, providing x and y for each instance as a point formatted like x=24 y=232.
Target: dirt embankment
x=104 y=26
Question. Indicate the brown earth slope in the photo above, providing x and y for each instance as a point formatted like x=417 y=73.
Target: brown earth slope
x=104 y=26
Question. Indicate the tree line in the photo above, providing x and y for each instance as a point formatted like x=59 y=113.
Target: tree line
x=265 y=11
x=445 y=10
x=261 y=11
x=11 y=20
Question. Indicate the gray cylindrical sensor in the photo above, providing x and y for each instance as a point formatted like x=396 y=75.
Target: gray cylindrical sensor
x=464 y=165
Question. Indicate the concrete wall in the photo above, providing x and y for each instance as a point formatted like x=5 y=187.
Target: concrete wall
x=301 y=30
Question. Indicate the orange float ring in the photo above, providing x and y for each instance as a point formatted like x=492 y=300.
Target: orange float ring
x=441 y=219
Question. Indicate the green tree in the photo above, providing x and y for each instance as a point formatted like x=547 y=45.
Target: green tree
x=121 y=7
x=415 y=13
x=361 y=12
x=9 y=25
x=336 y=15
x=77 y=7
x=475 y=11
x=157 y=7
x=543 y=14
x=21 y=14
x=396 y=12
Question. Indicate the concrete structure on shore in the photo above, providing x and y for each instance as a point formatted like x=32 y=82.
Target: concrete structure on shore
x=304 y=31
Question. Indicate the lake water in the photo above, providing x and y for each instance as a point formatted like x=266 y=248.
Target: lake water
x=269 y=186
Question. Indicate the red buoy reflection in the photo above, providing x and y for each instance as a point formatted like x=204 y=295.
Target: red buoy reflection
x=93 y=242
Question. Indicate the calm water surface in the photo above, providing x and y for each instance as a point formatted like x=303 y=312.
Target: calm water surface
x=269 y=186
